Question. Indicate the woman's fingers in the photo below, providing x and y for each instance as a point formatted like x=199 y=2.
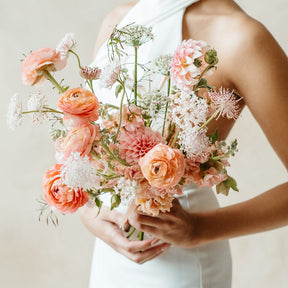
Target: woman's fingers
x=141 y=257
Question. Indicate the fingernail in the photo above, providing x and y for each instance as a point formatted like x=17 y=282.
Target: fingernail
x=155 y=241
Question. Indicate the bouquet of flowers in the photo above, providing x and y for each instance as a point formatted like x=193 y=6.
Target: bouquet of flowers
x=116 y=149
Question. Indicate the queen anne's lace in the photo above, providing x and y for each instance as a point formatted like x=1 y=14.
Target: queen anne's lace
x=14 y=113
x=79 y=173
x=127 y=189
x=37 y=104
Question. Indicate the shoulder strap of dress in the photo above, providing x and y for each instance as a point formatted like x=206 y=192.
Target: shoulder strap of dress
x=150 y=12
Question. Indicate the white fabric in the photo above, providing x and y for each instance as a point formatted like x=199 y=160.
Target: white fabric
x=208 y=266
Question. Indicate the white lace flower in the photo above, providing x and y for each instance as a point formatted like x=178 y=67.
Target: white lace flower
x=192 y=141
x=136 y=35
x=14 y=113
x=37 y=104
x=110 y=74
x=127 y=189
x=66 y=44
x=189 y=108
x=162 y=64
x=79 y=173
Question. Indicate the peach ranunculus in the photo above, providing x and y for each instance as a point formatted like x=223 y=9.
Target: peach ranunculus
x=80 y=106
x=79 y=140
x=39 y=60
x=163 y=166
x=60 y=196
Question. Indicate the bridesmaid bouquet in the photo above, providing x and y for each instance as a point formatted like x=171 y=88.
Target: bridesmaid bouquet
x=116 y=149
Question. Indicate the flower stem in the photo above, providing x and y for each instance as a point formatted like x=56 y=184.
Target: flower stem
x=166 y=108
x=76 y=55
x=89 y=82
x=130 y=233
x=209 y=120
x=175 y=137
x=121 y=112
x=135 y=75
x=48 y=75
x=141 y=236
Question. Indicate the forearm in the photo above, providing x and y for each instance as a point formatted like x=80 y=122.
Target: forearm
x=264 y=212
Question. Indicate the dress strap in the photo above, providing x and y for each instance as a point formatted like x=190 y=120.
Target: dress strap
x=150 y=12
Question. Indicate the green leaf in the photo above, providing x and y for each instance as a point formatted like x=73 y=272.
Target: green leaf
x=231 y=182
x=221 y=188
x=118 y=90
x=214 y=137
x=115 y=201
x=98 y=203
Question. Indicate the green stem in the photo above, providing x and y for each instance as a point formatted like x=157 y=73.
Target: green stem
x=216 y=158
x=209 y=120
x=130 y=233
x=89 y=82
x=48 y=75
x=201 y=76
x=78 y=59
x=141 y=236
x=121 y=113
x=166 y=108
x=44 y=111
x=175 y=137
x=135 y=75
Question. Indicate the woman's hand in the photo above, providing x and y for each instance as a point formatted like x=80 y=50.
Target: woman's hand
x=177 y=227
x=107 y=226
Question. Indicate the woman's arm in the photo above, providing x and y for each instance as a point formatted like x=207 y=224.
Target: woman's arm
x=258 y=68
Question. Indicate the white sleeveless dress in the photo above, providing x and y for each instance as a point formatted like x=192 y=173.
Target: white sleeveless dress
x=208 y=266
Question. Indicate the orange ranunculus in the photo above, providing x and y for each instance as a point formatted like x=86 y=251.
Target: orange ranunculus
x=60 y=196
x=163 y=166
x=79 y=140
x=39 y=60
x=79 y=105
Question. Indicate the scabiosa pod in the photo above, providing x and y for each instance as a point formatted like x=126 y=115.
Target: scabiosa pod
x=224 y=103
x=90 y=73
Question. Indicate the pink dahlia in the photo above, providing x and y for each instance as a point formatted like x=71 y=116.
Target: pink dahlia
x=183 y=71
x=225 y=103
x=135 y=144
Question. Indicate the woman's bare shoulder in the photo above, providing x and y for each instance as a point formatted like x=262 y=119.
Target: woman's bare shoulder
x=113 y=18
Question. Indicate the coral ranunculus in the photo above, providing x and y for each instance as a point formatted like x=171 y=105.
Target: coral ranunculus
x=39 y=60
x=60 y=196
x=79 y=140
x=79 y=105
x=163 y=166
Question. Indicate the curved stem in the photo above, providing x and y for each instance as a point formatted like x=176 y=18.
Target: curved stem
x=76 y=55
x=175 y=137
x=48 y=75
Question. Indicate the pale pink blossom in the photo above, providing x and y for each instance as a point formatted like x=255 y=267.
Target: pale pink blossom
x=183 y=72
x=225 y=103
x=135 y=144
x=110 y=74
x=129 y=172
x=67 y=43
x=132 y=118
x=212 y=177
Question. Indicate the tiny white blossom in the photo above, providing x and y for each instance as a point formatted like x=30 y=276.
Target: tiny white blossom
x=14 y=113
x=79 y=173
x=136 y=35
x=66 y=44
x=110 y=74
x=192 y=141
x=127 y=189
x=37 y=104
x=162 y=64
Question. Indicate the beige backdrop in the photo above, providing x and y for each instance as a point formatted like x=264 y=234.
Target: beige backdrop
x=34 y=255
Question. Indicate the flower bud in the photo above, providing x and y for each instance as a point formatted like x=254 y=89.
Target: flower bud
x=211 y=57
x=115 y=201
